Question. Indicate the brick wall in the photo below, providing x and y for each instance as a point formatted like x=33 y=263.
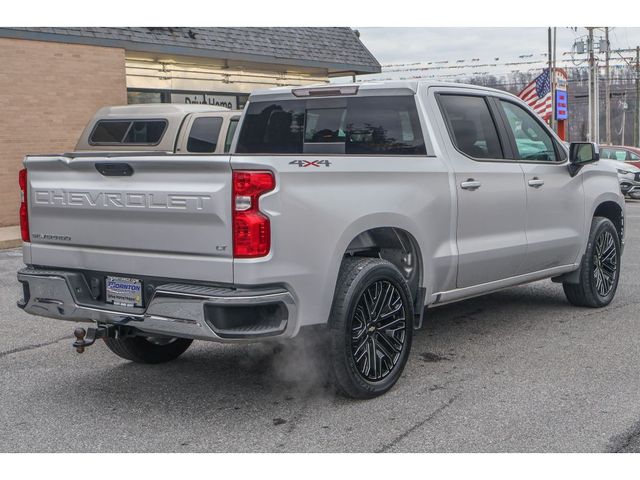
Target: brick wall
x=48 y=92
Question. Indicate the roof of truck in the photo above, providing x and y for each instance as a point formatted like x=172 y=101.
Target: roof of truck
x=388 y=85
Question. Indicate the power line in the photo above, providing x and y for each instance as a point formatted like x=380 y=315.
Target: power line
x=538 y=65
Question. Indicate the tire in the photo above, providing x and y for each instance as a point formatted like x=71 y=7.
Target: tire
x=148 y=349
x=600 y=268
x=358 y=335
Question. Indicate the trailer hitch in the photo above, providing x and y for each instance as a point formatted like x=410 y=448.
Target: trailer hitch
x=86 y=338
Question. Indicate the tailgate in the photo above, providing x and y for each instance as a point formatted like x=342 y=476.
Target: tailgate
x=161 y=215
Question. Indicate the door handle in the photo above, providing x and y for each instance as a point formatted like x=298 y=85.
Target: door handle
x=470 y=184
x=114 y=169
x=536 y=182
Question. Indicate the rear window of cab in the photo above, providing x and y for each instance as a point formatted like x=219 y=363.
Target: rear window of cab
x=378 y=125
x=128 y=132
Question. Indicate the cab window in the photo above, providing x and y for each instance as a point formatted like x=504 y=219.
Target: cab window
x=233 y=124
x=325 y=125
x=533 y=142
x=471 y=126
x=377 y=125
x=203 y=137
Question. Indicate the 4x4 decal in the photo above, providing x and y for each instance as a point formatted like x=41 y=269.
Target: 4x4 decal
x=310 y=163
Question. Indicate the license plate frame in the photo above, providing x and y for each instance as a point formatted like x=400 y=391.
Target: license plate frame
x=123 y=291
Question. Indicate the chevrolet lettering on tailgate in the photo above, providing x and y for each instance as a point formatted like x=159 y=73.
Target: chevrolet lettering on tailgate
x=79 y=198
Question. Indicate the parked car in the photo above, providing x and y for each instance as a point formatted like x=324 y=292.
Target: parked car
x=628 y=177
x=621 y=153
x=349 y=207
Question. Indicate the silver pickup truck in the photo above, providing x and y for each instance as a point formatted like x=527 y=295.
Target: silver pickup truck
x=353 y=207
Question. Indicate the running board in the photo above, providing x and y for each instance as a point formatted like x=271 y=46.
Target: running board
x=442 y=298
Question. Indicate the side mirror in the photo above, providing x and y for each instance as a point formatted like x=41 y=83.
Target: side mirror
x=581 y=153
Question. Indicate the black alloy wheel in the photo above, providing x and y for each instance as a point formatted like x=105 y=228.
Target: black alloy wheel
x=370 y=327
x=605 y=263
x=597 y=280
x=378 y=330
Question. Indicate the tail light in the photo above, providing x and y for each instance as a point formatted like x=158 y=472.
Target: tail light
x=24 y=213
x=251 y=228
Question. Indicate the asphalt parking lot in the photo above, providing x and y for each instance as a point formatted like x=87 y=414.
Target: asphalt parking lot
x=520 y=370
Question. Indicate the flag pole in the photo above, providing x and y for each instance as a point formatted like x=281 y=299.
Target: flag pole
x=549 y=55
x=554 y=122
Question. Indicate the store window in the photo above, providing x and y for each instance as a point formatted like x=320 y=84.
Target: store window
x=134 y=97
x=232 y=101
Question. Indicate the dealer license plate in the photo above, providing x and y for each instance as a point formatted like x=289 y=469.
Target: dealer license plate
x=126 y=292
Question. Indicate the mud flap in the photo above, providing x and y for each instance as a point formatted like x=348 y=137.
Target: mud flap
x=418 y=308
x=570 y=277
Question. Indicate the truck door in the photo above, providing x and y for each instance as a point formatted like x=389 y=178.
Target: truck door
x=490 y=190
x=555 y=199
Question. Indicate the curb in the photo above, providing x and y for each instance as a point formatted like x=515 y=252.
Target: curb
x=11 y=243
x=10 y=237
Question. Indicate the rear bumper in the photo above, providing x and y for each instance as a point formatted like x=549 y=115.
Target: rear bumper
x=175 y=309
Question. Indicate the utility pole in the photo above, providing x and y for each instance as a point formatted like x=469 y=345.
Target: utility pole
x=594 y=114
x=607 y=88
x=624 y=117
x=636 y=113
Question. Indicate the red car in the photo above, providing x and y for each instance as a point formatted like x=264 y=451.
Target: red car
x=621 y=153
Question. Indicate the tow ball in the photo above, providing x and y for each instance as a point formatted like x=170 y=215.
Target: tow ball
x=86 y=338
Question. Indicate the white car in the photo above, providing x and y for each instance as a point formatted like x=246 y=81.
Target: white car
x=628 y=176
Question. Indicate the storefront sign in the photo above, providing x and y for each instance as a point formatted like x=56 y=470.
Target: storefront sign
x=562 y=98
x=561 y=80
x=562 y=112
x=227 y=101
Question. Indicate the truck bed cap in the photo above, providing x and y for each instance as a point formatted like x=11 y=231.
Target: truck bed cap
x=154 y=109
x=173 y=113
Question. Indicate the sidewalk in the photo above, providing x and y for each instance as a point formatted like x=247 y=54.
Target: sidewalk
x=10 y=237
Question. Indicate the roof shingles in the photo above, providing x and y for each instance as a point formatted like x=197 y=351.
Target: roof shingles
x=333 y=46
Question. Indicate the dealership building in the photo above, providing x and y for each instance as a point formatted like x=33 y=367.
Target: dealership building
x=54 y=79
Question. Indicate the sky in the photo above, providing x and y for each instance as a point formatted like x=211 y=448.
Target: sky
x=469 y=48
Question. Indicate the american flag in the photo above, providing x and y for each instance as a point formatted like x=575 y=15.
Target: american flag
x=538 y=95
